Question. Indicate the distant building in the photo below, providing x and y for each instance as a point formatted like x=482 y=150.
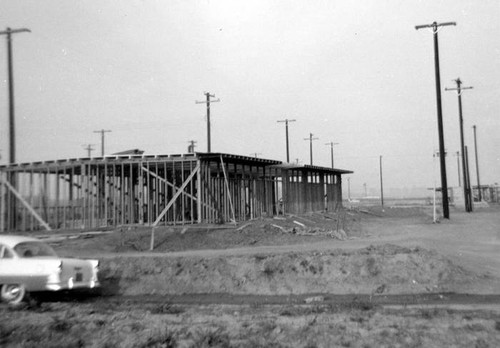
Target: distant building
x=130 y=152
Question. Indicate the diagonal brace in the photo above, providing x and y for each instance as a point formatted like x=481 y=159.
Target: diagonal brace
x=177 y=194
x=26 y=204
x=156 y=176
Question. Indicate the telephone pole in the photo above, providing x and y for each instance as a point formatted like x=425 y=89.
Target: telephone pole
x=331 y=143
x=287 y=147
x=381 y=184
x=459 y=89
x=477 y=165
x=89 y=148
x=12 y=134
x=311 y=146
x=458 y=168
x=467 y=182
x=349 y=188
x=208 y=101
x=102 y=131
x=444 y=185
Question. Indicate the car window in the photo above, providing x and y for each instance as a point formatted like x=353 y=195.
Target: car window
x=34 y=249
x=5 y=253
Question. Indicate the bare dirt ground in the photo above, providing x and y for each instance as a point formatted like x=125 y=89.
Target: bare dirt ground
x=365 y=277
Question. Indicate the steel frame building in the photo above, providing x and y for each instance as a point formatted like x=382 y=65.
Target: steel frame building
x=153 y=190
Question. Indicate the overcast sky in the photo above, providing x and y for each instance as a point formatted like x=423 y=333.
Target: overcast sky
x=353 y=72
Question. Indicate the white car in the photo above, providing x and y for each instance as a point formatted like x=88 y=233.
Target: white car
x=30 y=265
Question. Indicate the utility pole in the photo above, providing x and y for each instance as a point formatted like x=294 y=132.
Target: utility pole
x=12 y=129
x=255 y=154
x=477 y=165
x=12 y=134
x=381 y=184
x=287 y=147
x=458 y=168
x=191 y=146
x=89 y=148
x=459 y=89
x=331 y=143
x=442 y=161
x=311 y=146
x=349 y=189
x=102 y=131
x=469 y=191
x=208 y=101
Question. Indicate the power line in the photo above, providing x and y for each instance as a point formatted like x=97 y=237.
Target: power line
x=477 y=165
x=12 y=133
x=208 y=101
x=311 y=146
x=458 y=167
x=287 y=146
x=460 y=89
x=381 y=184
x=102 y=131
x=89 y=148
x=331 y=143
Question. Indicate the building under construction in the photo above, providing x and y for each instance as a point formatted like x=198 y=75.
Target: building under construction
x=155 y=190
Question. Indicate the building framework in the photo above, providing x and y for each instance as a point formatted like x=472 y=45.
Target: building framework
x=153 y=190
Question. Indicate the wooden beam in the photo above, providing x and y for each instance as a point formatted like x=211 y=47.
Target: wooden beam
x=175 y=187
x=177 y=194
x=2 y=204
x=227 y=188
x=26 y=204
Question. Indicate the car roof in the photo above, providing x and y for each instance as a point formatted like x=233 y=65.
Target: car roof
x=12 y=240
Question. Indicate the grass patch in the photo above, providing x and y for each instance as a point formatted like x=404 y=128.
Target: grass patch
x=211 y=338
x=167 y=308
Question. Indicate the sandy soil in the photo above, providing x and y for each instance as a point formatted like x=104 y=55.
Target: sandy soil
x=391 y=250
x=367 y=277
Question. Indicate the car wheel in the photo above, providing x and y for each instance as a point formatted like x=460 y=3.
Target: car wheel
x=13 y=293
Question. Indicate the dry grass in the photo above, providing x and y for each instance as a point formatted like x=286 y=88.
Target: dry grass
x=351 y=324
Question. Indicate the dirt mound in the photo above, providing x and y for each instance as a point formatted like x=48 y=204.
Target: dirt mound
x=282 y=230
x=372 y=270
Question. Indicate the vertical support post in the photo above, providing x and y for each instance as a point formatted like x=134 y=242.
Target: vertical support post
x=2 y=202
x=123 y=210
x=183 y=197
x=106 y=187
x=65 y=198
x=227 y=188
x=31 y=200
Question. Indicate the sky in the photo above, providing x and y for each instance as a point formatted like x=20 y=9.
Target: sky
x=356 y=73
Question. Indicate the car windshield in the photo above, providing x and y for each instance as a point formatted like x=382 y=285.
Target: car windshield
x=34 y=249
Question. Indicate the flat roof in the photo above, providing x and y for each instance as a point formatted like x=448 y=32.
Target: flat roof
x=231 y=158
x=293 y=166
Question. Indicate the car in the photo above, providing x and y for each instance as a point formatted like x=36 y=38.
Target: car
x=28 y=265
